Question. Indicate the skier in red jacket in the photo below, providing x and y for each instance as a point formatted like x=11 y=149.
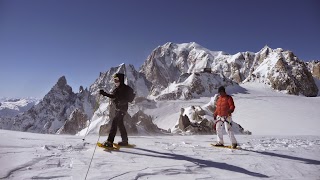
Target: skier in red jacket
x=222 y=115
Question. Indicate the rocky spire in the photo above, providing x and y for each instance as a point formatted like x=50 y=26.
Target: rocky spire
x=62 y=82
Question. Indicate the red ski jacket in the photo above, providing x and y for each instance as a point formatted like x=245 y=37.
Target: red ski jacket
x=224 y=106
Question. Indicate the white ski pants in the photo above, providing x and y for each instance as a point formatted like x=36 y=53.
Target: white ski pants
x=227 y=124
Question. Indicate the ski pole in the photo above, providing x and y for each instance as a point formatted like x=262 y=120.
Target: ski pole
x=94 y=151
x=97 y=105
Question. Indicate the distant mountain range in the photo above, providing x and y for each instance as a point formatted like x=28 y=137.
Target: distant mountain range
x=279 y=69
x=10 y=107
x=172 y=71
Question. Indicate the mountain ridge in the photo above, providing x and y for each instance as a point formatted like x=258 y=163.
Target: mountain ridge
x=171 y=72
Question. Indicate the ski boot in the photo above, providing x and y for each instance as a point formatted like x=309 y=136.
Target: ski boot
x=234 y=145
x=108 y=144
x=219 y=144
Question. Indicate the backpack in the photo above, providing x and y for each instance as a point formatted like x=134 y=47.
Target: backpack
x=130 y=94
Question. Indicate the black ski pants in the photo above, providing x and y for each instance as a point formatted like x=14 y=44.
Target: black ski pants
x=118 y=122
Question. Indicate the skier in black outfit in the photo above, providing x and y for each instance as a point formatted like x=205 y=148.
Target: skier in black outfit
x=120 y=99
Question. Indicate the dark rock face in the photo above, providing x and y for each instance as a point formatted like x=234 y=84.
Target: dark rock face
x=75 y=123
x=292 y=75
x=314 y=68
x=59 y=109
x=139 y=123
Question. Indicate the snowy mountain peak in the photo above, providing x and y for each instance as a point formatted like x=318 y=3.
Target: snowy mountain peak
x=266 y=47
x=196 y=85
x=171 y=72
x=62 y=82
x=279 y=69
x=283 y=71
x=166 y=63
x=264 y=52
x=168 y=45
x=60 y=90
x=56 y=111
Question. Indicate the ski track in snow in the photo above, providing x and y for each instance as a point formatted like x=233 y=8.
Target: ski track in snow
x=159 y=157
x=197 y=164
x=43 y=156
x=24 y=166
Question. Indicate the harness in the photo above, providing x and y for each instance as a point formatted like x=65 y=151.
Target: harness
x=224 y=119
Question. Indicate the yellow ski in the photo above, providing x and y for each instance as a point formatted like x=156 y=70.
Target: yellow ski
x=227 y=147
x=115 y=146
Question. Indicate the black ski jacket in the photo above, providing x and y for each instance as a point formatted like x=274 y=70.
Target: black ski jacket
x=119 y=94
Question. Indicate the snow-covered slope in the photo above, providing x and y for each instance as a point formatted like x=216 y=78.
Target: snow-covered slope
x=265 y=111
x=195 y=85
x=259 y=109
x=42 y=156
x=12 y=107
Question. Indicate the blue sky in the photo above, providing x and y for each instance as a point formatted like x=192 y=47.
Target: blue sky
x=42 y=40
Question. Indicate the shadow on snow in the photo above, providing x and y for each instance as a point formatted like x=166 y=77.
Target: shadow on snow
x=307 y=161
x=202 y=163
